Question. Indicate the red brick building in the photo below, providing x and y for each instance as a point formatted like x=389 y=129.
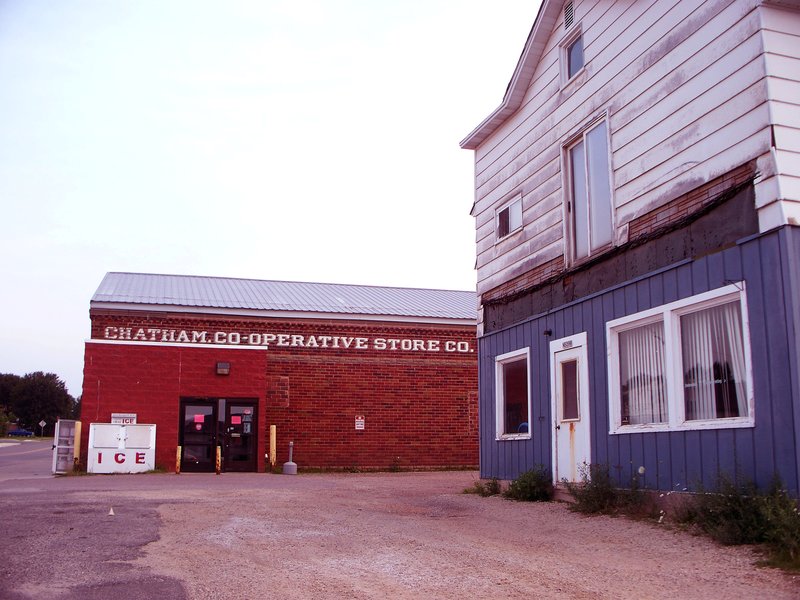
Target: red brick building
x=354 y=376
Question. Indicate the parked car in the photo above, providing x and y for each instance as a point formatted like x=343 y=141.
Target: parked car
x=21 y=433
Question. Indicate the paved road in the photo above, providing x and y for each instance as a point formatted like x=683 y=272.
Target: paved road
x=388 y=535
x=59 y=544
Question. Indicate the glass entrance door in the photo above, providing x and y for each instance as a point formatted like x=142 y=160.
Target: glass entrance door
x=199 y=436
x=240 y=436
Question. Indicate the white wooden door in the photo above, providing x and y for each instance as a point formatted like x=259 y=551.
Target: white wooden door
x=569 y=384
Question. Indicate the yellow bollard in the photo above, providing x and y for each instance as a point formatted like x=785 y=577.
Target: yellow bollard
x=273 y=445
x=218 y=466
x=178 y=461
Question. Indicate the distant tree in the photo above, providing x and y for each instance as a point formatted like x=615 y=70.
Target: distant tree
x=76 y=408
x=41 y=396
x=6 y=418
x=7 y=383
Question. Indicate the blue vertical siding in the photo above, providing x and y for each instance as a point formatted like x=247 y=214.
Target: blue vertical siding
x=770 y=266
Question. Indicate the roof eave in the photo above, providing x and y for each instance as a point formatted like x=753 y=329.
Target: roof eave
x=546 y=19
x=281 y=314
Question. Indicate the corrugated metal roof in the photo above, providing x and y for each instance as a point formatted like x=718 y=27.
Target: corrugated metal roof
x=222 y=293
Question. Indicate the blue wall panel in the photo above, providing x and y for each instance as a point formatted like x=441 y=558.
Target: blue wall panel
x=672 y=460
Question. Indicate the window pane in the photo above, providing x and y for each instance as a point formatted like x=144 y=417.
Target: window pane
x=515 y=215
x=574 y=57
x=569 y=390
x=713 y=363
x=502 y=223
x=515 y=395
x=642 y=371
x=580 y=201
x=599 y=186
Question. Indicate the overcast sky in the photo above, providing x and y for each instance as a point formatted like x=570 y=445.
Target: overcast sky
x=296 y=140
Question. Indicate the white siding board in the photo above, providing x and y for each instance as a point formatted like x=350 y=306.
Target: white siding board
x=514 y=253
x=748 y=109
x=781 y=43
x=677 y=79
x=549 y=251
x=565 y=105
x=777 y=20
x=785 y=113
x=787 y=138
x=486 y=251
x=783 y=67
x=575 y=110
x=788 y=163
x=713 y=103
x=784 y=90
x=684 y=175
x=684 y=87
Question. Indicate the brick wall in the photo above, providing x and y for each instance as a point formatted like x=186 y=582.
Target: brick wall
x=415 y=385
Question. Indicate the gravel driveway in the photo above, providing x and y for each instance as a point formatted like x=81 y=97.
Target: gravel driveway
x=398 y=535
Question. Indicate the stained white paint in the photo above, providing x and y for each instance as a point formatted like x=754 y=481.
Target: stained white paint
x=690 y=90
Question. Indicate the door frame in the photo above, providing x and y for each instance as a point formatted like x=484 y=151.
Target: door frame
x=577 y=430
x=213 y=403
x=252 y=464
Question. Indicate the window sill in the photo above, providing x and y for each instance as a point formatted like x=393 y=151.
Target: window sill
x=510 y=437
x=731 y=423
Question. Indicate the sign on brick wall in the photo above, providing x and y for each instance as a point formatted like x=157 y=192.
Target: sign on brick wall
x=154 y=335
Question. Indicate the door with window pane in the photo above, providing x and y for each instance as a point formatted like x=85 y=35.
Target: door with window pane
x=569 y=378
x=241 y=440
x=198 y=436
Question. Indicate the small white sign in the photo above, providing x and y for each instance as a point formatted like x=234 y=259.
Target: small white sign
x=360 y=422
x=123 y=418
x=42 y=423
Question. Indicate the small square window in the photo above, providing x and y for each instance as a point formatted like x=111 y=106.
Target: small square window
x=571 y=55
x=574 y=57
x=509 y=218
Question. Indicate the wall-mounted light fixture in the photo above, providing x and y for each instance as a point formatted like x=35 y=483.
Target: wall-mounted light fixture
x=223 y=368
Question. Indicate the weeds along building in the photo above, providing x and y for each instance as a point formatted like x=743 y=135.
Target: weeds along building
x=355 y=376
x=637 y=209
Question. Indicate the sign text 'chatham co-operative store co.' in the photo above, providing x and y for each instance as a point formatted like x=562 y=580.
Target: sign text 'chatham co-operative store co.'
x=283 y=340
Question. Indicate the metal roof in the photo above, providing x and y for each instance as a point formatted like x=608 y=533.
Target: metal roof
x=228 y=294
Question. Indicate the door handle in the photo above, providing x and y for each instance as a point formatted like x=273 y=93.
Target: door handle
x=558 y=426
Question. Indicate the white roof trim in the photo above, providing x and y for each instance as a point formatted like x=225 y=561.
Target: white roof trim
x=546 y=20
x=273 y=314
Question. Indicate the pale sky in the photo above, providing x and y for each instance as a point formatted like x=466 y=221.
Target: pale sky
x=300 y=140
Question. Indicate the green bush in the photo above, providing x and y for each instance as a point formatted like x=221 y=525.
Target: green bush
x=740 y=514
x=595 y=493
x=535 y=485
x=490 y=488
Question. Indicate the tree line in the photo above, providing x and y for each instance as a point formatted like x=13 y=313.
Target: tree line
x=25 y=400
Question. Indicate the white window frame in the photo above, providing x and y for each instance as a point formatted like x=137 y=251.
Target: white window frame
x=670 y=315
x=516 y=199
x=500 y=403
x=569 y=201
x=575 y=32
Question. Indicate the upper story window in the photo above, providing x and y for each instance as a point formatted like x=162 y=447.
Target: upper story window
x=684 y=365
x=588 y=185
x=572 y=58
x=509 y=218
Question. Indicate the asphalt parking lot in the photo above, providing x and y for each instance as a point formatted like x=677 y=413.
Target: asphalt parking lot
x=397 y=535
